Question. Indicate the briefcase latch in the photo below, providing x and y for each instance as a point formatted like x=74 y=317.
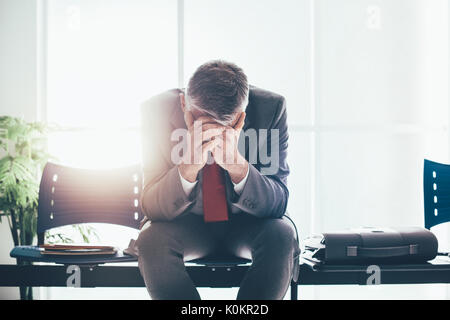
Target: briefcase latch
x=352 y=251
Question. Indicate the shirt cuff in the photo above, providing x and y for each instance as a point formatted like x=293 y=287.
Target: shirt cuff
x=238 y=187
x=187 y=186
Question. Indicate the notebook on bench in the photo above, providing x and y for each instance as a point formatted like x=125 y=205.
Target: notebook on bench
x=76 y=250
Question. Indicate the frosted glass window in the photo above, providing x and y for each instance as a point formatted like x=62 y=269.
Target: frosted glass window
x=381 y=62
x=299 y=181
x=373 y=179
x=104 y=58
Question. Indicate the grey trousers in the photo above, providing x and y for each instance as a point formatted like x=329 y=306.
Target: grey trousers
x=164 y=246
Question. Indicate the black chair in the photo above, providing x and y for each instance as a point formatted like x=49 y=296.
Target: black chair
x=436 y=190
x=72 y=195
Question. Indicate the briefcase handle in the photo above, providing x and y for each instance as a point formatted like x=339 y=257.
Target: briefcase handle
x=385 y=252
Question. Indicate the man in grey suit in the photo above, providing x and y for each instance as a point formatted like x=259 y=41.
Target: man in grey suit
x=215 y=172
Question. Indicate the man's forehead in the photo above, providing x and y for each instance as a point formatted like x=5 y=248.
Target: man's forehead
x=205 y=117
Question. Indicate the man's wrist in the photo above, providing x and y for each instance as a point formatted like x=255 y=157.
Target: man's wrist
x=187 y=173
x=238 y=172
x=186 y=185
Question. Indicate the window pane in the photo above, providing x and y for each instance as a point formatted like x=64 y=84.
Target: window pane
x=106 y=57
x=268 y=40
x=96 y=148
x=374 y=179
x=299 y=181
x=383 y=62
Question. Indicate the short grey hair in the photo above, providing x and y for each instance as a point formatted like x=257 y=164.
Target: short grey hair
x=218 y=88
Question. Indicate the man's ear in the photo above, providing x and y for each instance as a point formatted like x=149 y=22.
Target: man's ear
x=183 y=102
x=240 y=122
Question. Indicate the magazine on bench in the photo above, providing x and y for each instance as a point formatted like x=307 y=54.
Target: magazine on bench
x=76 y=249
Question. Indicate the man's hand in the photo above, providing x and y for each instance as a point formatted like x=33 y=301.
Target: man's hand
x=201 y=140
x=226 y=153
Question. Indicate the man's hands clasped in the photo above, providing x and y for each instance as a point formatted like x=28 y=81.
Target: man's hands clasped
x=207 y=136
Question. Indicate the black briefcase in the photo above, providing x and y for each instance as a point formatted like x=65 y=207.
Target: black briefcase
x=371 y=245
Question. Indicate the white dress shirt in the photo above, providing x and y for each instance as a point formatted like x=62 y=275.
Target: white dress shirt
x=189 y=186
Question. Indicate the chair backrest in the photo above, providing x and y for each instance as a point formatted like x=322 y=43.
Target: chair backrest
x=72 y=195
x=436 y=188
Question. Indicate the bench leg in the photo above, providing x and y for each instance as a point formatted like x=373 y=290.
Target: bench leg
x=294 y=290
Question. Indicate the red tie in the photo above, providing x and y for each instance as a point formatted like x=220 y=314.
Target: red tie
x=214 y=199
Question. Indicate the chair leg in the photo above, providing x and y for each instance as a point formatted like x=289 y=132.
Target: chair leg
x=294 y=290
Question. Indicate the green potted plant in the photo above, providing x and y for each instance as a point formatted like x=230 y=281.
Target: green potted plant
x=23 y=154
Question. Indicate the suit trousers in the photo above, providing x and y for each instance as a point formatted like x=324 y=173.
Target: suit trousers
x=270 y=243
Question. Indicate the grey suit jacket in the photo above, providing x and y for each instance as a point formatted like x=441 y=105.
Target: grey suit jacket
x=265 y=193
